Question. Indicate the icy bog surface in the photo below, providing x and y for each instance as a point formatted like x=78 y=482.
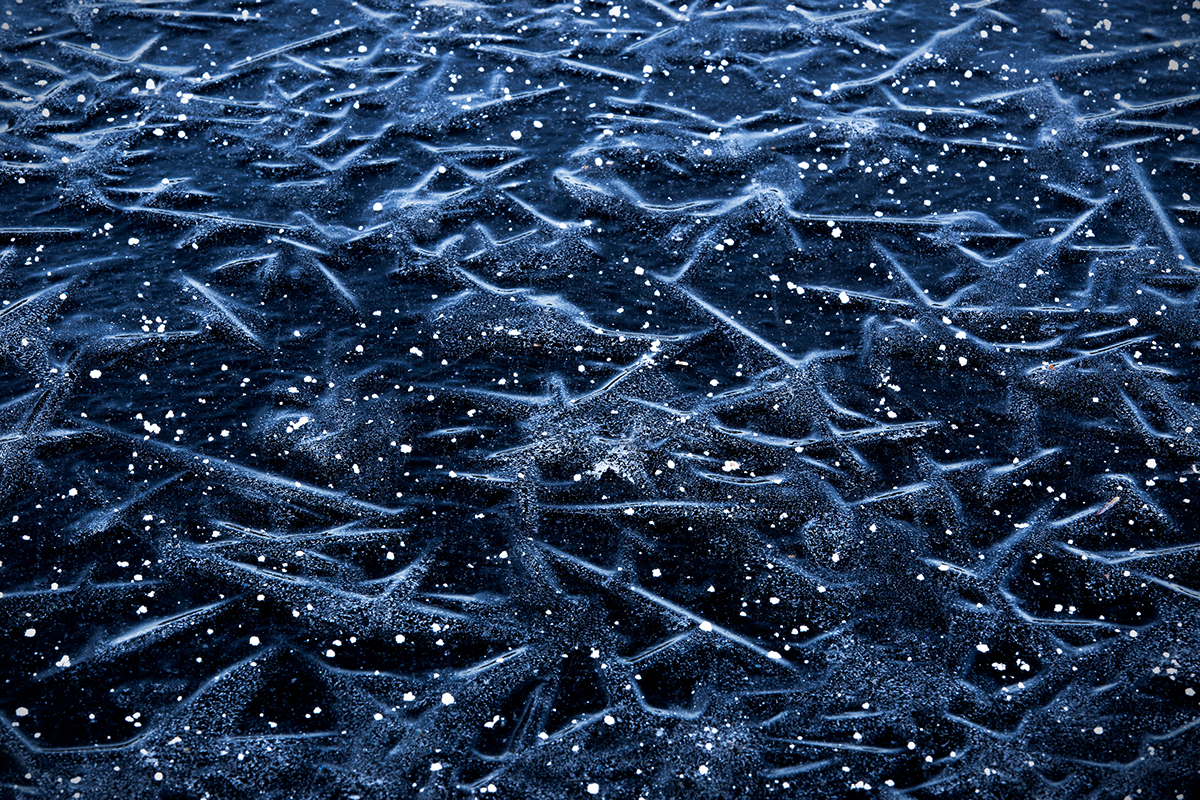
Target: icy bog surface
x=639 y=401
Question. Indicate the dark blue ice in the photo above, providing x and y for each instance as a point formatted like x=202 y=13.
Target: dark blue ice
x=657 y=400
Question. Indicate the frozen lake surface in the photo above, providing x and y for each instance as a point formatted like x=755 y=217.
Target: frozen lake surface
x=639 y=401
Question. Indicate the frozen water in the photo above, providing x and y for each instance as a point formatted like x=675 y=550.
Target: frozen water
x=690 y=400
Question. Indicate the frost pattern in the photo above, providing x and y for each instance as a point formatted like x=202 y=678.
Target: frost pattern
x=696 y=400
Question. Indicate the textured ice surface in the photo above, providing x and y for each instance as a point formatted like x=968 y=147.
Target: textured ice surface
x=643 y=400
